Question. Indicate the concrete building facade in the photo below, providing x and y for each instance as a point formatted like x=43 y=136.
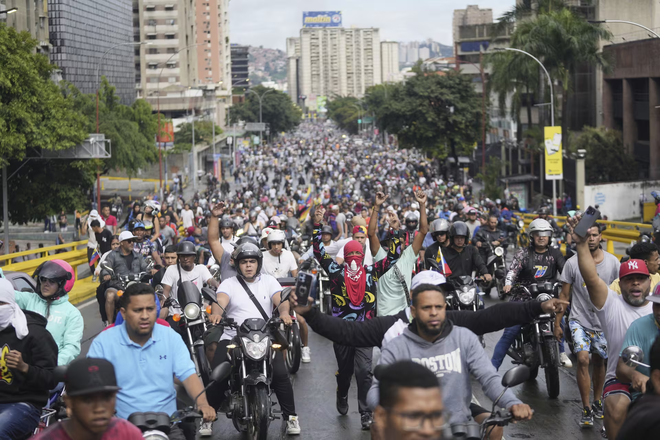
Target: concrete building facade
x=389 y=59
x=293 y=67
x=469 y=16
x=239 y=66
x=338 y=61
x=31 y=16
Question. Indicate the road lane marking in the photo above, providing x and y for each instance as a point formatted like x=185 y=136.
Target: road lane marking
x=88 y=303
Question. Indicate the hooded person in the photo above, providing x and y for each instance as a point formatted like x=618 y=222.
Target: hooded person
x=353 y=287
x=28 y=358
x=55 y=279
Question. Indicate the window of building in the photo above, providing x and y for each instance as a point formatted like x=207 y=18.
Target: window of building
x=170 y=22
x=171 y=79
x=151 y=51
x=170 y=36
x=171 y=65
x=151 y=36
x=150 y=8
x=169 y=7
x=171 y=50
x=151 y=22
x=153 y=66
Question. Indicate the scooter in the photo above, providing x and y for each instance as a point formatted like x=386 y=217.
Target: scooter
x=464 y=295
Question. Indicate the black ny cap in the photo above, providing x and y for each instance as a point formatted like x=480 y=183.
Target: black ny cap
x=90 y=375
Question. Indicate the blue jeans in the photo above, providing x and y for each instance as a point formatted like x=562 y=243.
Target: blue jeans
x=509 y=335
x=18 y=420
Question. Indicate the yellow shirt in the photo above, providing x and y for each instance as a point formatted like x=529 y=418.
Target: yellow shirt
x=655 y=279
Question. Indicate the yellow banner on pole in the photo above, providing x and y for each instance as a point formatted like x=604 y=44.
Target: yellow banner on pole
x=554 y=164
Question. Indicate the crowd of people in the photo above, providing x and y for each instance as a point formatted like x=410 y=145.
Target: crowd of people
x=392 y=233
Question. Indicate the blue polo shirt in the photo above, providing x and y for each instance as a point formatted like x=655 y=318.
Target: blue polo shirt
x=145 y=374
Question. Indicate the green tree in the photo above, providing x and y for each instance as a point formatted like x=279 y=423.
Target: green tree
x=344 y=111
x=278 y=110
x=491 y=179
x=606 y=160
x=33 y=112
x=203 y=134
x=439 y=113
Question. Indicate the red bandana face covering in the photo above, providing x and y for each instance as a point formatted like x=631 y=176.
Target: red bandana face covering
x=355 y=277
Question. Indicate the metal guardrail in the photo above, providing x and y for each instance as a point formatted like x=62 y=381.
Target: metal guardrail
x=75 y=257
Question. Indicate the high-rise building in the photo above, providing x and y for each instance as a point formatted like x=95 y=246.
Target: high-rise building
x=188 y=63
x=389 y=60
x=239 y=66
x=30 y=16
x=469 y=16
x=80 y=33
x=293 y=67
x=338 y=61
x=424 y=53
x=413 y=53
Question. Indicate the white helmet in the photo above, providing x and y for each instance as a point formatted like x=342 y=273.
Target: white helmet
x=439 y=225
x=541 y=226
x=276 y=236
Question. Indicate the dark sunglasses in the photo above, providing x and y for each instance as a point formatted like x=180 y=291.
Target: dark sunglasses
x=44 y=280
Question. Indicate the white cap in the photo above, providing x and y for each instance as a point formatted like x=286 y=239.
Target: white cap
x=93 y=213
x=126 y=235
x=428 y=277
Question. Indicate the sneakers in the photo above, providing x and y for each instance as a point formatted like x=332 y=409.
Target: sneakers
x=206 y=429
x=366 y=420
x=342 y=404
x=306 y=355
x=587 y=420
x=565 y=360
x=293 y=426
x=597 y=409
x=603 y=433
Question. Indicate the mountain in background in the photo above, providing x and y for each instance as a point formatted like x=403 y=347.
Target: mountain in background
x=267 y=66
x=411 y=52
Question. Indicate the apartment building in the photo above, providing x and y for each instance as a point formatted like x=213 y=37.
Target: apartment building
x=30 y=16
x=389 y=59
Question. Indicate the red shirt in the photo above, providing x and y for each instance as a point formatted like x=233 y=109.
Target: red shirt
x=117 y=429
x=110 y=221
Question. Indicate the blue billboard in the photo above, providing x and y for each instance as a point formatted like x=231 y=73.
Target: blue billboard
x=316 y=19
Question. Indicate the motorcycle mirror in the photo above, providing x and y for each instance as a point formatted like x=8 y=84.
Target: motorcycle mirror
x=221 y=372
x=158 y=288
x=633 y=356
x=515 y=376
x=60 y=373
x=209 y=295
x=286 y=292
x=214 y=269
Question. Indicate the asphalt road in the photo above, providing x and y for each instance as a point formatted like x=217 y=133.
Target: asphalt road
x=314 y=387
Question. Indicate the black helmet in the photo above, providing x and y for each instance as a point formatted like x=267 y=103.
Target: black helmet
x=246 y=239
x=544 y=211
x=459 y=229
x=244 y=251
x=186 y=248
x=327 y=229
x=226 y=223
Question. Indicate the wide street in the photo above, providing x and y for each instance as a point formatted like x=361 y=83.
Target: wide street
x=314 y=387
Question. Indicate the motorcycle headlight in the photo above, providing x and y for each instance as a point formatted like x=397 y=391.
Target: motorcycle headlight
x=154 y=435
x=255 y=350
x=543 y=297
x=191 y=311
x=499 y=251
x=467 y=297
x=521 y=224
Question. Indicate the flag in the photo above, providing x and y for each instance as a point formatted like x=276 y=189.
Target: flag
x=95 y=257
x=305 y=213
x=442 y=263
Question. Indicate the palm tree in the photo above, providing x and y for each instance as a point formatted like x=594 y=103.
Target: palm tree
x=562 y=40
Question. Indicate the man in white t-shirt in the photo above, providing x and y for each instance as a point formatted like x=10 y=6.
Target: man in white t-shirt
x=227 y=238
x=91 y=241
x=187 y=217
x=278 y=261
x=233 y=297
x=616 y=313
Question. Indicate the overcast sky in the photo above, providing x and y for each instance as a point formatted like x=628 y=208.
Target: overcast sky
x=268 y=23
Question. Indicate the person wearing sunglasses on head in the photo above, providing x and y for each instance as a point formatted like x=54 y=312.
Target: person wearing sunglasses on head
x=55 y=279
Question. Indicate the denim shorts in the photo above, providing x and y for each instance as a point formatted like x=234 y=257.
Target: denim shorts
x=587 y=340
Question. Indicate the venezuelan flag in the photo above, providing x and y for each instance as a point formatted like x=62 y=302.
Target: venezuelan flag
x=95 y=257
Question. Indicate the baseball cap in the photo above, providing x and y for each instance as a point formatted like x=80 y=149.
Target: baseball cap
x=631 y=267
x=655 y=295
x=126 y=235
x=90 y=375
x=428 y=277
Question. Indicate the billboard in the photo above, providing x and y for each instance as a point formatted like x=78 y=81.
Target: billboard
x=554 y=167
x=316 y=19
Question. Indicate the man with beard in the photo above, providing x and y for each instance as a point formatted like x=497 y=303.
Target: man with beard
x=453 y=353
x=353 y=288
x=616 y=313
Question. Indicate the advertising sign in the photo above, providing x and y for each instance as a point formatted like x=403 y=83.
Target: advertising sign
x=317 y=19
x=321 y=102
x=554 y=169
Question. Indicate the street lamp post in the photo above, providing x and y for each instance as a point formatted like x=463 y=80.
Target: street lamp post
x=483 y=105
x=260 y=97
x=160 y=144
x=626 y=22
x=98 y=86
x=359 y=109
x=552 y=119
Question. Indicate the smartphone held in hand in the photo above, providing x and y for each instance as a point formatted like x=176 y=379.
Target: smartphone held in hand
x=587 y=221
x=305 y=288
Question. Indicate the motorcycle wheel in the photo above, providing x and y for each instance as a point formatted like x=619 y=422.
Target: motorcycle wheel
x=204 y=366
x=294 y=352
x=259 y=403
x=552 y=370
x=533 y=373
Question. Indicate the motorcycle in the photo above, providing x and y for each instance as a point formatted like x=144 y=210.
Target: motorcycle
x=251 y=354
x=189 y=309
x=55 y=409
x=462 y=294
x=514 y=233
x=157 y=425
x=294 y=352
x=472 y=430
x=117 y=210
x=536 y=345
x=497 y=268
x=324 y=300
